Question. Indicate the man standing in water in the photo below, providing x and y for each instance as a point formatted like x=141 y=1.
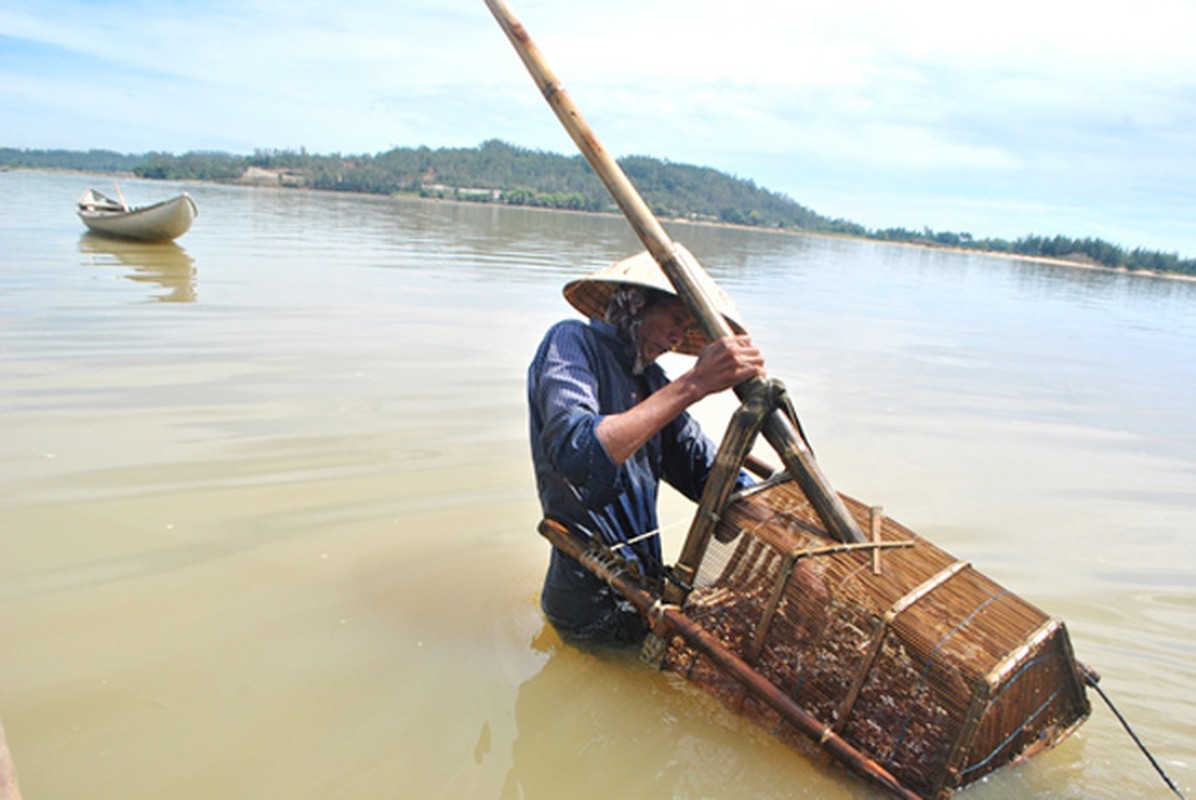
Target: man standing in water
x=607 y=425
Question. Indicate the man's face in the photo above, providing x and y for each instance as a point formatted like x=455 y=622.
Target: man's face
x=664 y=326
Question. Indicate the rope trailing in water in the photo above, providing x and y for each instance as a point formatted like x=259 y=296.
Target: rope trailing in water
x=1093 y=680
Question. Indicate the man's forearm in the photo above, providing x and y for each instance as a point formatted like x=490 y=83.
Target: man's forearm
x=624 y=433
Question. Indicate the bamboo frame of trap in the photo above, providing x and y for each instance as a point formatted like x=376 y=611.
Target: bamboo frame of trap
x=911 y=668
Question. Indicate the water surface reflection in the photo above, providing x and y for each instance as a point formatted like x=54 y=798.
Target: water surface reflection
x=164 y=264
x=635 y=716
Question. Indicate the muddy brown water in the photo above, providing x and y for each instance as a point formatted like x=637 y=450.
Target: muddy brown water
x=267 y=519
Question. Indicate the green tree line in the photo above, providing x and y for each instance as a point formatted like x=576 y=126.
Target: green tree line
x=89 y=161
x=498 y=172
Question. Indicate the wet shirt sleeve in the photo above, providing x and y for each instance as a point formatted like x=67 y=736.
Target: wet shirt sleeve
x=566 y=399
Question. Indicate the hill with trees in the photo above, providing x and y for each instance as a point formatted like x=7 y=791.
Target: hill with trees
x=498 y=172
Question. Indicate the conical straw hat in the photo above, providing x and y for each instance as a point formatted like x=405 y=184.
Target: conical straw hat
x=591 y=293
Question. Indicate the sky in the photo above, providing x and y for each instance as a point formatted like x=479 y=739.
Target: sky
x=995 y=119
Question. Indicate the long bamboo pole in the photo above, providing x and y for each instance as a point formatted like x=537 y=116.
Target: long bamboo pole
x=8 y=774
x=698 y=638
x=777 y=430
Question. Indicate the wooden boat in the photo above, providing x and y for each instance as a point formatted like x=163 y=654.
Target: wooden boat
x=163 y=221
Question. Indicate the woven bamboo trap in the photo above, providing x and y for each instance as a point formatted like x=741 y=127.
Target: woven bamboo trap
x=916 y=659
x=907 y=665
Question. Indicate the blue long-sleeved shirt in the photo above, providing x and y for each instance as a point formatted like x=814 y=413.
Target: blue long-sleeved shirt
x=580 y=374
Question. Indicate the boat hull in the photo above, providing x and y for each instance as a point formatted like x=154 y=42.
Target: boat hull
x=163 y=221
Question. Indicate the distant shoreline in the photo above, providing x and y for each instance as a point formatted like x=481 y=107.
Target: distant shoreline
x=259 y=181
x=937 y=248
